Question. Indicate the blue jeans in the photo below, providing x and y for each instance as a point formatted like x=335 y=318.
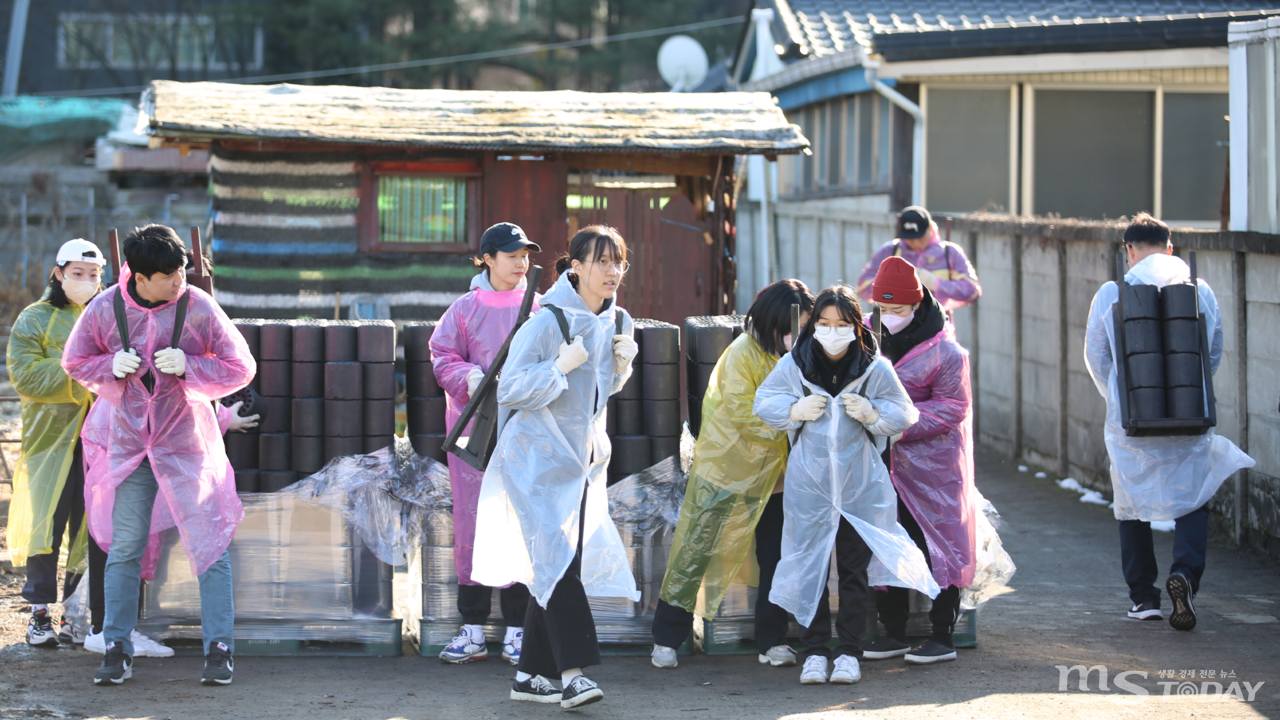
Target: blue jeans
x=130 y=526
x=1138 y=555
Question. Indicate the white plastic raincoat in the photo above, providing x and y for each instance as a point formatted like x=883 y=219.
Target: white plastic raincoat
x=551 y=444
x=834 y=470
x=1157 y=478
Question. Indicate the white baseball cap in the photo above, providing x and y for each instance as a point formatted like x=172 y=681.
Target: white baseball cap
x=80 y=250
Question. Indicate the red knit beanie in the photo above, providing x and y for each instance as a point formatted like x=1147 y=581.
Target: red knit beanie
x=896 y=283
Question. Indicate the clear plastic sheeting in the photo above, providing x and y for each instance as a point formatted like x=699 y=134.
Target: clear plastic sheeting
x=390 y=498
x=994 y=568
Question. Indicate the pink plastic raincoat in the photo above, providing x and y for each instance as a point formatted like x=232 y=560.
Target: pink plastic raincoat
x=932 y=466
x=470 y=334
x=957 y=282
x=175 y=427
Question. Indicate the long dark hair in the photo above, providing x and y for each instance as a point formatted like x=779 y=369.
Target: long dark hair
x=846 y=303
x=769 y=319
x=590 y=244
x=57 y=296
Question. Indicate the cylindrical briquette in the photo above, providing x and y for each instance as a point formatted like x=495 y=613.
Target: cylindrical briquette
x=343 y=381
x=630 y=419
x=308 y=454
x=340 y=341
x=374 y=443
x=279 y=417
x=661 y=382
x=379 y=380
x=376 y=341
x=275 y=451
x=1183 y=370
x=1147 y=404
x=712 y=342
x=431 y=446
x=704 y=379
x=426 y=415
x=420 y=380
x=275 y=480
x=1179 y=301
x=1185 y=403
x=250 y=330
x=343 y=418
x=275 y=340
x=242 y=450
x=1141 y=336
x=308 y=417
x=662 y=448
x=630 y=454
x=659 y=343
x=379 y=417
x=1181 y=335
x=247 y=481
x=416 y=337
x=1146 y=370
x=1140 y=301
x=343 y=447
x=308 y=341
x=308 y=379
x=633 y=389
x=276 y=378
x=661 y=417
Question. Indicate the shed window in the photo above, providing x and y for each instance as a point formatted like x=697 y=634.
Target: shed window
x=420 y=206
x=418 y=209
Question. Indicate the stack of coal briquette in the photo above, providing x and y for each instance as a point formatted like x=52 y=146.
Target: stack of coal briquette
x=644 y=418
x=1165 y=373
x=425 y=415
x=329 y=389
x=706 y=339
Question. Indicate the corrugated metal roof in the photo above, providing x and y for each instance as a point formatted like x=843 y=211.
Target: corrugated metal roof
x=730 y=123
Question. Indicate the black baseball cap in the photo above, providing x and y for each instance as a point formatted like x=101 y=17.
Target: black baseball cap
x=505 y=237
x=913 y=223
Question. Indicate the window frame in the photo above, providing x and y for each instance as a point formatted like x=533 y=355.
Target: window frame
x=370 y=228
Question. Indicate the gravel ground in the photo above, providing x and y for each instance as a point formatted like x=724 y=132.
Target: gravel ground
x=1067 y=607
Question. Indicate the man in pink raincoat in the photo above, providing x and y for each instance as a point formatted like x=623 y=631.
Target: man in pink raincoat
x=942 y=266
x=163 y=439
x=931 y=462
x=463 y=346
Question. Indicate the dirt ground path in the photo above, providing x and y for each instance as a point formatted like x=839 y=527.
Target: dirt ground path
x=1067 y=608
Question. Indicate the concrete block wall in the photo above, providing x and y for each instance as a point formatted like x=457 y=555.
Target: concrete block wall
x=1034 y=397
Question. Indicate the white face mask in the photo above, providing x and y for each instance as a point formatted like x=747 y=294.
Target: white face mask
x=79 y=291
x=894 y=323
x=834 y=340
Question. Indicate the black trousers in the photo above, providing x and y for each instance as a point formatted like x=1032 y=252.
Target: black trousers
x=563 y=635
x=894 y=604
x=852 y=558
x=42 y=570
x=1138 y=555
x=476 y=601
x=97 y=579
x=672 y=625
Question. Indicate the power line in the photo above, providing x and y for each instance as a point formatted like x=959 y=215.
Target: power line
x=430 y=62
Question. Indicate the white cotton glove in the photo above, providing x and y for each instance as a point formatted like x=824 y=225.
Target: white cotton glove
x=808 y=408
x=860 y=409
x=171 y=361
x=927 y=279
x=240 y=424
x=571 y=356
x=473 y=379
x=125 y=363
x=624 y=351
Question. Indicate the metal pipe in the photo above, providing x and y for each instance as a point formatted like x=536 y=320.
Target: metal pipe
x=917 y=133
x=17 y=37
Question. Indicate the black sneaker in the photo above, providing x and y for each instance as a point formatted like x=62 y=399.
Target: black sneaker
x=884 y=648
x=218 y=666
x=40 y=632
x=930 y=652
x=1147 y=610
x=536 y=689
x=580 y=691
x=1184 y=610
x=117 y=666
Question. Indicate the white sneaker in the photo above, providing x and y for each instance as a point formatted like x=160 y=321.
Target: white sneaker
x=144 y=646
x=40 y=632
x=512 y=645
x=847 y=671
x=664 y=657
x=814 y=671
x=465 y=648
x=779 y=656
x=95 y=643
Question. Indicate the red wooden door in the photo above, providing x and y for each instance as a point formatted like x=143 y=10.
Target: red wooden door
x=531 y=194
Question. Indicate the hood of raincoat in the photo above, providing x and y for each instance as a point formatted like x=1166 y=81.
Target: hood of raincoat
x=174 y=426
x=469 y=335
x=1157 y=478
x=53 y=408
x=736 y=464
x=932 y=464
x=552 y=448
x=834 y=471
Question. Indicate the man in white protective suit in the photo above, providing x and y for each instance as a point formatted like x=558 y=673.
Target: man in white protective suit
x=1158 y=478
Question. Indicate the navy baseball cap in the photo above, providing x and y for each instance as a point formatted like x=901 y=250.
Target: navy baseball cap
x=913 y=223
x=505 y=237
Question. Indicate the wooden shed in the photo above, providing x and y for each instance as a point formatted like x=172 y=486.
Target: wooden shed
x=325 y=196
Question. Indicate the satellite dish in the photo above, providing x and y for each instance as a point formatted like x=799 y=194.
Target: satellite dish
x=682 y=63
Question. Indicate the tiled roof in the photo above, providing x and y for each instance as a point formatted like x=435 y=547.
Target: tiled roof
x=826 y=27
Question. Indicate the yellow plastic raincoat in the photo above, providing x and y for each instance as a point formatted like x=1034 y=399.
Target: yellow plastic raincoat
x=736 y=464
x=53 y=407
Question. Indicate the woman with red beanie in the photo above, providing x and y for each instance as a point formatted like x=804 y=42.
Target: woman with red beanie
x=931 y=462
